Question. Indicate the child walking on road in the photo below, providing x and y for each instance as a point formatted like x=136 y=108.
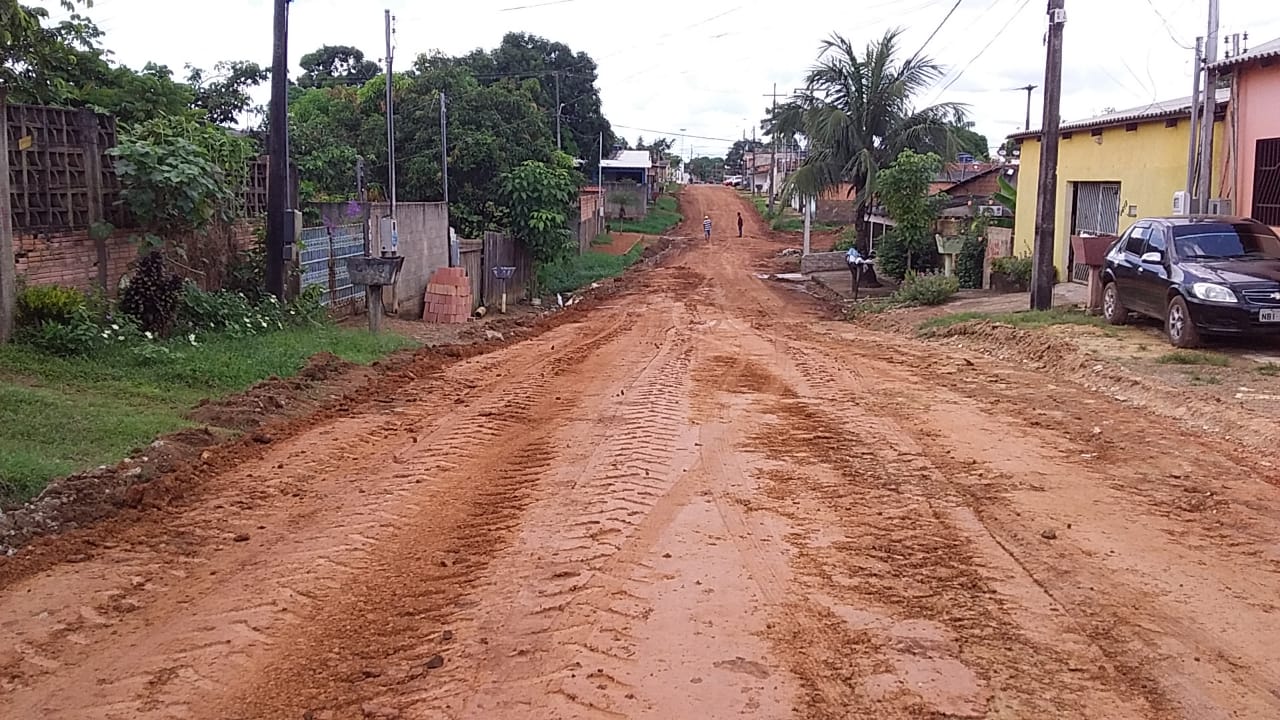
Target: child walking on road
x=706 y=226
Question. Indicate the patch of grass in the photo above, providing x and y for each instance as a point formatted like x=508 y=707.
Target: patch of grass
x=1269 y=369
x=603 y=239
x=1023 y=319
x=1193 y=357
x=1198 y=378
x=62 y=415
x=795 y=223
x=579 y=271
x=664 y=215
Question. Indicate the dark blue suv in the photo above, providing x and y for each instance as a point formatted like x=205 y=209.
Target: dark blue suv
x=1202 y=275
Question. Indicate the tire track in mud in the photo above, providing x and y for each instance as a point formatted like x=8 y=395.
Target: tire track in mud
x=907 y=588
x=566 y=643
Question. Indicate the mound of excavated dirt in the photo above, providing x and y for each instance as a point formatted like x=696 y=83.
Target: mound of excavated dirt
x=73 y=501
x=1006 y=342
x=271 y=397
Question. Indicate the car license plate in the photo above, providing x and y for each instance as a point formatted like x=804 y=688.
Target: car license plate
x=1269 y=316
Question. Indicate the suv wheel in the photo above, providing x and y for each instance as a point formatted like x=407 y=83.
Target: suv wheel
x=1113 y=311
x=1179 y=325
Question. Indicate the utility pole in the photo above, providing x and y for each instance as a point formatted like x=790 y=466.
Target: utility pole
x=278 y=224
x=600 y=184
x=557 y=74
x=8 y=269
x=1210 y=109
x=1042 y=271
x=1193 y=139
x=391 y=122
x=1028 y=89
x=773 y=146
x=444 y=152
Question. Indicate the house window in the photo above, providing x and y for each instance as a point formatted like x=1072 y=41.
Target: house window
x=1266 y=182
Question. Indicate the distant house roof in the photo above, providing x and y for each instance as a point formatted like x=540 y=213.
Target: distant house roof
x=629 y=160
x=1180 y=107
x=1261 y=52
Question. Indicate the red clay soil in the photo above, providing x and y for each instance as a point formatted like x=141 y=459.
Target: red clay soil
x=696 y=500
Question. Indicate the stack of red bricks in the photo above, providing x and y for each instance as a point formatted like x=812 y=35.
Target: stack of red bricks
x=448 y=298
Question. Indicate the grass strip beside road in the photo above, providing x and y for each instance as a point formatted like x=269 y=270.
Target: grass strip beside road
x=664 y=215
x=1030 y=319
x=578 y=271
x=61 y=415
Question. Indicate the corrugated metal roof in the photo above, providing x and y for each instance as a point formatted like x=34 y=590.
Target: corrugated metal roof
x=629 y=159
x=1265 y=50
x=1153 y=111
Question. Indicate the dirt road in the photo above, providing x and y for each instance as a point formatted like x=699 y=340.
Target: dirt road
x=701 y=501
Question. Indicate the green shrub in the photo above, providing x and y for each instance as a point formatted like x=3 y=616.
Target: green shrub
x=891 y=257
x=44 y=304
x=969 y=261
x=1017 y=269
x=201 y=310
x=78 y=334
x=925 y=289
x=152 y=295
x=848 y=239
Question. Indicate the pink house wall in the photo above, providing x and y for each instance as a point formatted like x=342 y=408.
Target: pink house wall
x=1256 y=104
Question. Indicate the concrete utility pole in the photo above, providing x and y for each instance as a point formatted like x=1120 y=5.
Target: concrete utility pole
x=278 y=224
x=444 y=151
x=773 y=146
x=1028 y=89
x=8 y=270
x=1210 y=108
x=391 y=122
x=1047 y=198
x=557 y=74
x=1193 y=139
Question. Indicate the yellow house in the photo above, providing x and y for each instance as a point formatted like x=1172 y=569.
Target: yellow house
x=1112 y=170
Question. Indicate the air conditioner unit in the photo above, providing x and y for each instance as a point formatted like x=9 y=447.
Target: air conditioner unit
x=992 y=210
x=1220 y=206
x=1181 y=203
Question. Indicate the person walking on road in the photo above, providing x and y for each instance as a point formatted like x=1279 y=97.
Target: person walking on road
x=739 y=224
x=706 y=226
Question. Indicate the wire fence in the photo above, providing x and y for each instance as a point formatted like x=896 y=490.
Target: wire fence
x=324 y=254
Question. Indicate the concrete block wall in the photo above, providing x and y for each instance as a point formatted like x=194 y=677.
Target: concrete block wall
x=823 y=262
x=635 y=197
x=423 y=231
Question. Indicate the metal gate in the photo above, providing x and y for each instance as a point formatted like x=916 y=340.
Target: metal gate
x=324 y=254
x=1096 y=209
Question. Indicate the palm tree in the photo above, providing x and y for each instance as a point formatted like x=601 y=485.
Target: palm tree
x=857 y=115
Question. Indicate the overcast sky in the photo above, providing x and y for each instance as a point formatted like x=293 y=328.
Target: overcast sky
x=705 y=67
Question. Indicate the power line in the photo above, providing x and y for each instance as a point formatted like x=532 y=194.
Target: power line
x=934 y=34
x=1167 y=26
x=986 y=47
x=666 y=133
x=536 y=5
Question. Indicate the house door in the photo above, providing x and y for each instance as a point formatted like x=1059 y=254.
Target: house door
x=1095 y=209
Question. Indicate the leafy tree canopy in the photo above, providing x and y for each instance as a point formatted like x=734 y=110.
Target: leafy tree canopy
x=336 y=65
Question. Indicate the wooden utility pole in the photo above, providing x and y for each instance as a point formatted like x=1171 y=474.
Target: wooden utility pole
x=8 y=269
x=1210 y=105
x=1042 y=272
x=278 y=229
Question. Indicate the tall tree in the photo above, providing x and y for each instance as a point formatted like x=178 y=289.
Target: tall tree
x=857 y=113
x=523 y=56
x=735 y=157
x=336 y=65
x=224 y=93
x=903 y=188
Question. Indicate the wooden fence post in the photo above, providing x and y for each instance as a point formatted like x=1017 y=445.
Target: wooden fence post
x=87 y=125
x=8 y=267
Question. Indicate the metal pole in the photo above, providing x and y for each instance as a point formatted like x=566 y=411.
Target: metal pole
x=1193 y=140
x=1210 y=109
x=1042 y=273
x=600 y=184
x=391 y=123
x=557 y=74
x=773 y=148
x=278 y=151
x=444 y=150
x=1029 y=88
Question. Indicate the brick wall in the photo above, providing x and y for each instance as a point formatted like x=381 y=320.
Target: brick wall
x=71 y=258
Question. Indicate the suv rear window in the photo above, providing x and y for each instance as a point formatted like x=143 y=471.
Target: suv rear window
x=1226 y=240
